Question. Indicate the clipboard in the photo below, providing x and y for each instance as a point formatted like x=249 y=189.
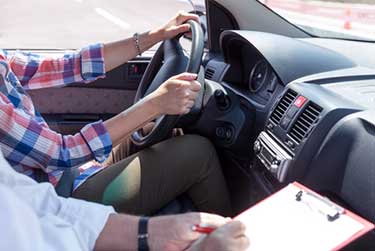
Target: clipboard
x=297 y=218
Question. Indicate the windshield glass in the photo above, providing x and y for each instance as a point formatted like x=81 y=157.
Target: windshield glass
x=346 y=19
x=70 y=24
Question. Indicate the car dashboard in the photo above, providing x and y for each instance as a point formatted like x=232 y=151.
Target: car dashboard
x=304 y=99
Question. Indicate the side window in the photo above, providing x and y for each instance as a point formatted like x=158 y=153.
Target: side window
x=70 y=24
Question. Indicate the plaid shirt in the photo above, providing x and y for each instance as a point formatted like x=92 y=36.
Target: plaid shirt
x=25 y=138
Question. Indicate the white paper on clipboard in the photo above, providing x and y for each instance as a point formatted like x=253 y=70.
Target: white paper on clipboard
x=282 y=223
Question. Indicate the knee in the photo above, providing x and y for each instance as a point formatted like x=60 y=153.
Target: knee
x=199 y=146
x=200 y=152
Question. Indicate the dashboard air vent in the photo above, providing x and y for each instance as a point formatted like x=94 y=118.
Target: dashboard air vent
x=283 y=106
x=305 y=122
x=209 y=73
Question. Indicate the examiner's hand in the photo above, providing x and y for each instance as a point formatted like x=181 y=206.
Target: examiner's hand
x=177 y=95
x=177 y=25
x=230 y=237
x=174 y=232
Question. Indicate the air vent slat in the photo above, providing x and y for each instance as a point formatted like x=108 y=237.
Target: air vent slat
x=283 y=106
x=297 y=135
x=314 y=110
x=309 y=120
x=209 y=73
x=276 y=119
x=305 y=122
x=310 y=114
x=279 y=113
x=289 y=99
x=302 y=127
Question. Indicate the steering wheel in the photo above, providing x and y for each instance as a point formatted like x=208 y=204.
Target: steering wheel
x=170 y=60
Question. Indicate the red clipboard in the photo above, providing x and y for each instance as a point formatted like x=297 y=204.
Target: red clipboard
x=367 y=226
x=335 y=210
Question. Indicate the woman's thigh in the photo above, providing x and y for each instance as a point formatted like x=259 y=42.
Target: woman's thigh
x=149 y=179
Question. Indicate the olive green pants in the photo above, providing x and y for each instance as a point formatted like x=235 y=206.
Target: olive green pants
x=148 y=180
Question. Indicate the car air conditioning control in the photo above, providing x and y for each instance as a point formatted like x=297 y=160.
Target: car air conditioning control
x=272 y=156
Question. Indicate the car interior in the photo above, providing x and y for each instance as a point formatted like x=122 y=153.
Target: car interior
x=278 y=103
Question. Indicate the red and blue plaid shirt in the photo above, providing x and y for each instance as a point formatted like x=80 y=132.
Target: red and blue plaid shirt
x=25 y=138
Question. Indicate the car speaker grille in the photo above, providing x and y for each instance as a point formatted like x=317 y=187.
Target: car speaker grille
x=305 y=122
x=209 y=73
x=283 y=106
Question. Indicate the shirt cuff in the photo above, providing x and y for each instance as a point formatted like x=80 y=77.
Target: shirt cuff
x=98 y=140
x=92 y=62
x=87 y=218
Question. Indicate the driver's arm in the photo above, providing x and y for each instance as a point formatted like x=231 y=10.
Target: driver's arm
x=29 y=142
x=119 y=52
x=176 y=96
x=36 y=71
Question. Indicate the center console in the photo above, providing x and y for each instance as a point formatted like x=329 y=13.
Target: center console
x=302 y=117
x=272 y=155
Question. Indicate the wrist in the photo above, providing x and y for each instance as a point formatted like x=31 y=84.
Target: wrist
x=156 y=230
x=157 y=35
x=152 y=102
x=153 y=232
x=119 y=231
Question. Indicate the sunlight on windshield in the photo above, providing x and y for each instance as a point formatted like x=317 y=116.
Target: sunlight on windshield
x=334 y=18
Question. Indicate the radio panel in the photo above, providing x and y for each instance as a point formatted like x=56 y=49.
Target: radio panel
x=272 y=155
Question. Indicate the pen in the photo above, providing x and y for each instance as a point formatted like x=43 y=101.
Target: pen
x=203 y=230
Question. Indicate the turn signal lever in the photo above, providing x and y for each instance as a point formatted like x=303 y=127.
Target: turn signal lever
x=222 y=100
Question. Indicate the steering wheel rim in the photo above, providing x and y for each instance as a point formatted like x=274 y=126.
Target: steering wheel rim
x=169 y=60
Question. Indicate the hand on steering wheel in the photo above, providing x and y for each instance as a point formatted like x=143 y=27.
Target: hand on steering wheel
x=178 y=25
x=175 y=93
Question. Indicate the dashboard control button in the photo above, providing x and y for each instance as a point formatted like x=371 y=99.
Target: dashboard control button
x=257 y=147
x=276 y=162
x=220 y=132
x=270 y=126
x=224 y=133
x=275 y=165
x=290 y=144
x=222 y=100
x=228 y=134
x=285 y=122
x=274 y=168
x=292 y=111
x=300 y=101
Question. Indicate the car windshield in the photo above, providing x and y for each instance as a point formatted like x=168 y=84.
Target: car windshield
x=344 y=19
x=70 y=24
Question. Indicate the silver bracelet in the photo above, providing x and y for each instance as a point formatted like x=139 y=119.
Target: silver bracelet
x=136 y=42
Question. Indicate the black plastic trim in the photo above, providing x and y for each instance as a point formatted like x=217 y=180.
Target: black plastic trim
x=219 y=19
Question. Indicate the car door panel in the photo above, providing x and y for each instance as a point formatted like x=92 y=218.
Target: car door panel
x=68 y=109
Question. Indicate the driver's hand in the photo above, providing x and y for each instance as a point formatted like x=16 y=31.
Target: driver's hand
x=177 y=95
x=229 y=237
x=177 y=25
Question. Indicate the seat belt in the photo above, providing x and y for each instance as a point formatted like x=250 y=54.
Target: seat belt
x=64 y=187
x=40 y=176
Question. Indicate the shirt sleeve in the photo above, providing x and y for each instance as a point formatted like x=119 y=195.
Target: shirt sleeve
x=53 y=222
x=30 y=143
x=35 y=71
